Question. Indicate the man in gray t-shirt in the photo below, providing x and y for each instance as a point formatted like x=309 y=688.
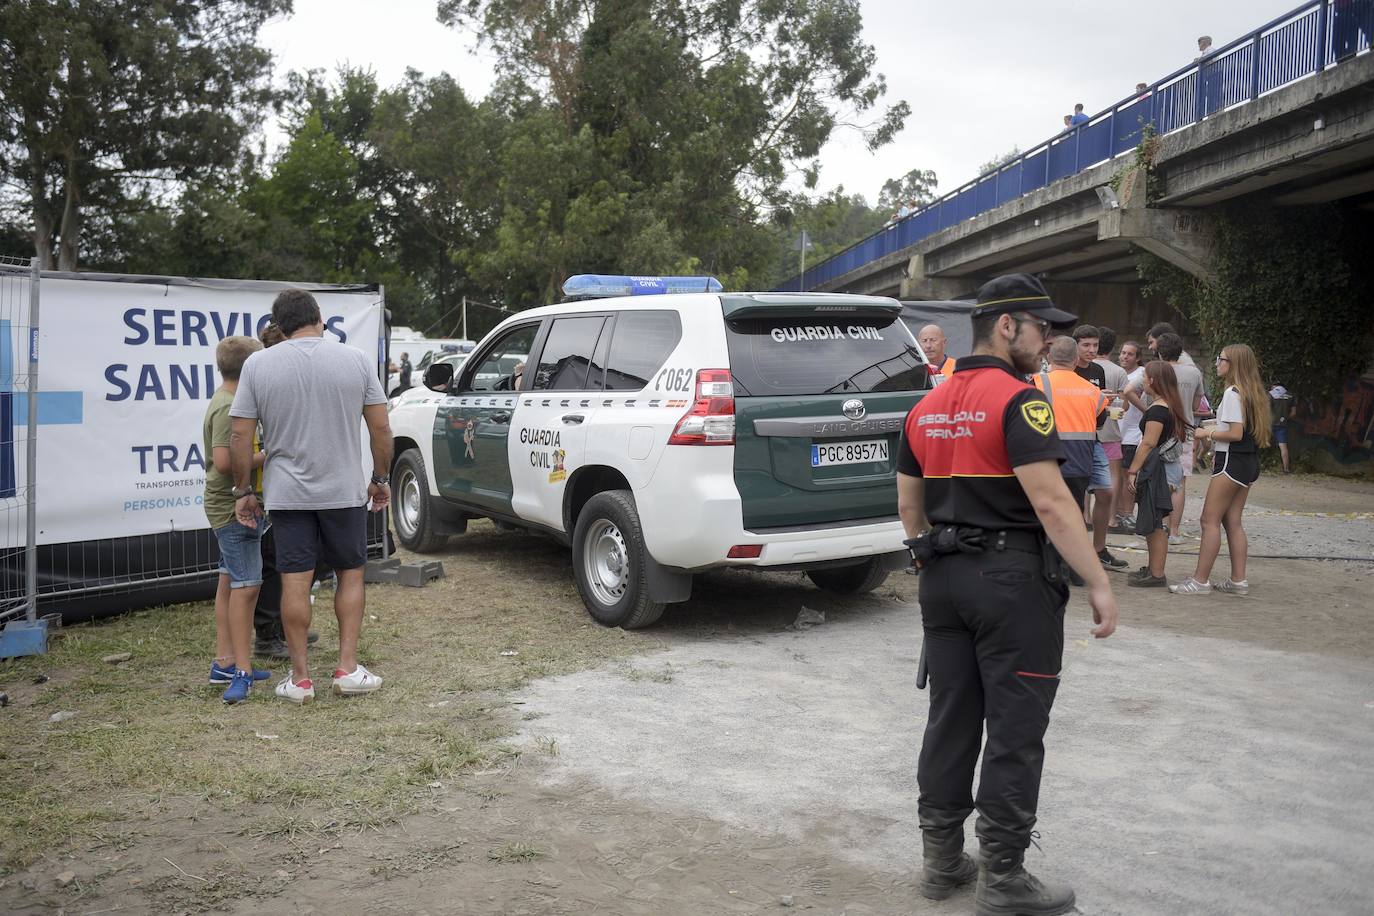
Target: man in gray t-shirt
x=312 y=397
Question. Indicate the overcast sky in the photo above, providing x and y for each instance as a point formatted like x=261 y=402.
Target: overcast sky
x=980 y=77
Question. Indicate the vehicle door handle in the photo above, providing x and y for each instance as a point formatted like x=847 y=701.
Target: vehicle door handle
x=500 y=417
x=573 y=419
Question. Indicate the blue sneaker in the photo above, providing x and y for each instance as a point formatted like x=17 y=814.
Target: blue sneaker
x=239 y=687
x=225 y=674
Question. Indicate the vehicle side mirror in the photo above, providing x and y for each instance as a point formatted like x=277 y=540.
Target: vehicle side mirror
x=438 y=377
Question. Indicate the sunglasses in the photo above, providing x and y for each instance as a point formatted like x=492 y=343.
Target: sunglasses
x=1040 y=323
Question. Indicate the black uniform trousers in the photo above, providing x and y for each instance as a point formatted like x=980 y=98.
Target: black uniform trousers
x=267 y=614
x=994 y=630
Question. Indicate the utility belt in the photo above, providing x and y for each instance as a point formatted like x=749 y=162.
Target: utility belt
x=942 y=540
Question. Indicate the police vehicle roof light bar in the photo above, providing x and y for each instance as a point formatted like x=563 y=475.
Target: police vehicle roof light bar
x=604 y=286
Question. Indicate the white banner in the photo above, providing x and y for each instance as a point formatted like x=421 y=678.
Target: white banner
x=126 y=370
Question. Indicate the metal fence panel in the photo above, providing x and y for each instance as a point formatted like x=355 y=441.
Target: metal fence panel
x=18 y=437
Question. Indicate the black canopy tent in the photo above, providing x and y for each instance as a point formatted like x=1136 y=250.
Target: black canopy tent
x=952 y=317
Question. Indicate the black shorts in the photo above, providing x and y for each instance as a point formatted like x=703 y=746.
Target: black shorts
x=1242 y=468
x=1128 y=455
x=306 y=536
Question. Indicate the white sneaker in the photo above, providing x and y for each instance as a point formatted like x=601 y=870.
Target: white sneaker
x=1234 y=588
x=1191 y=586
x=360 y=681
x=1175 y=540
x=297 y=692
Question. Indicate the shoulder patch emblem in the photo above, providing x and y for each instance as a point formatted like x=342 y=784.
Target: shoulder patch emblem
x=1039 y=416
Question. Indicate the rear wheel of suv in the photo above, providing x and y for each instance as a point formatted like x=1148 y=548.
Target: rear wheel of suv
x=851 y=580
x=609 y=560
x=410 y=486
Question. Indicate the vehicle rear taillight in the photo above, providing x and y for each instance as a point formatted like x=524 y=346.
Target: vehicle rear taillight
x=711 y=420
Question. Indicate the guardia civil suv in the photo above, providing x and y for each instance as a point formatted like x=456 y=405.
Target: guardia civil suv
x=662 y=427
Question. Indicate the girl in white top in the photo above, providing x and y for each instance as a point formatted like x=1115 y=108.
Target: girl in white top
x=1242 y=429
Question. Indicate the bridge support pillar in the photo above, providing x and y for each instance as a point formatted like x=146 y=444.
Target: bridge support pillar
x=916 y=285
x=1181 y=237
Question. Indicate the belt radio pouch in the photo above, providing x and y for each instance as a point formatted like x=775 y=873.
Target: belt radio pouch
x=1053 y=567
x=942 y=540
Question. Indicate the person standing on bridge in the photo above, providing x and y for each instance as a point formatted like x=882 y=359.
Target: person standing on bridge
x=990 y=524
x=932 y=341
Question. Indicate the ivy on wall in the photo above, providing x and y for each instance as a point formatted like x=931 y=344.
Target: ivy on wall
x=1294 y=283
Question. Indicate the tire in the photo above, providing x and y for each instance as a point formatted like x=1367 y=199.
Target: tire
x=609 y=562
x=851 y=580
x=410 y=510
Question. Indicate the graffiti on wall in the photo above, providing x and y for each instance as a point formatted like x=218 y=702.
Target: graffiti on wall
x=1345 y=428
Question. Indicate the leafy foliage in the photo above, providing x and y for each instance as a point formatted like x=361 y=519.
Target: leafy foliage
x=999 y=161
x=915 y=187
x=640 y=136
x=102 y=103
x=832 y=223
x=1289 y=282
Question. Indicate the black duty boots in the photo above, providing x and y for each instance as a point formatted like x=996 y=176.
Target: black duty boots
x=1005 y=888
x=946 y=866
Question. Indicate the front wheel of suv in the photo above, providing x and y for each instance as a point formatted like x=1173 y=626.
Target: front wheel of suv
x=851 y=580
x=609 y=561
x=410 y=509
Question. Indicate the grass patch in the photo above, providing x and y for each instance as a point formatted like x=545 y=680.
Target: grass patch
x=151 y=737
x=513 y=853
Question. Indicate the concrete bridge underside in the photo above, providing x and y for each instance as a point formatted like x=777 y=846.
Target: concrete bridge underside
x=1310 y=142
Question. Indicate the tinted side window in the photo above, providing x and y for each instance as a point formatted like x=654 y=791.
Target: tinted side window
x=639 y=345
x=823 y=355
x=567 y=356
x=500 y=366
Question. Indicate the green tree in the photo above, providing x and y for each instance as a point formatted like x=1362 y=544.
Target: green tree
x=918 y=186
x=999 y=161
x=103 y=104
x=652 y=135
x=832 y=223
x=1291 y=282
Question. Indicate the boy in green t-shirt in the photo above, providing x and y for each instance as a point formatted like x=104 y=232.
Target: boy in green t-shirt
x=240 y=574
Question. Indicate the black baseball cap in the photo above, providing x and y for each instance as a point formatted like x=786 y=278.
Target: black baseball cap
x=1020 y=293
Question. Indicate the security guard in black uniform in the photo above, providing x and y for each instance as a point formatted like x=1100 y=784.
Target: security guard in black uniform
x=991 y=524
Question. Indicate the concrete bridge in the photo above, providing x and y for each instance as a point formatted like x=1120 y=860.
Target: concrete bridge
x=1281 y=115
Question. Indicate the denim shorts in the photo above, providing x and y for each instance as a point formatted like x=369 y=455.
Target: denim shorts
x=1173 y=473
x=1280 y=434
x=240 y=553
x=1102 y=471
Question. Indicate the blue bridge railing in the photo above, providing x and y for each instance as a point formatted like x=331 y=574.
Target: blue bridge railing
x=1308 y=40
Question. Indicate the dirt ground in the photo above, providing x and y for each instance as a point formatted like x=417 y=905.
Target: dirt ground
x=483 y=782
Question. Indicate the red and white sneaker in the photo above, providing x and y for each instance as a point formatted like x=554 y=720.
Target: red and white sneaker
x=297 y=692
x=360 y=681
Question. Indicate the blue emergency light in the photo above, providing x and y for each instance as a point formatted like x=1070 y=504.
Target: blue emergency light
x=603 y=286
